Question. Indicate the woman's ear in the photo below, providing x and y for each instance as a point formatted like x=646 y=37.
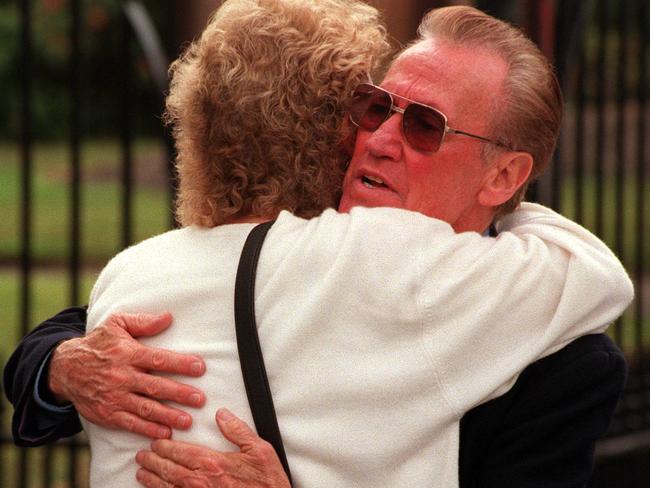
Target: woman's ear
x=509 y=172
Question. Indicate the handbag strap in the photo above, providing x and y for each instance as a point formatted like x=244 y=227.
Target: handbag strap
x=248 y=345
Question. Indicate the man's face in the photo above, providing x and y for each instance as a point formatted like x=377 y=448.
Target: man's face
x=465 y=84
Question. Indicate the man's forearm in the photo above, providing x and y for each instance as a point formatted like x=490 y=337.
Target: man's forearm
x=56 y=370
x=32 y=423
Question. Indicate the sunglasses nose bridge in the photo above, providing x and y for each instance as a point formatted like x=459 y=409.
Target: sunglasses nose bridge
x=393 y=109
x=390 y=107
x=390 y=111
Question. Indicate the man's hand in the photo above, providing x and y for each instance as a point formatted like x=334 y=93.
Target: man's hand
x=106 y=377
x=174 y=463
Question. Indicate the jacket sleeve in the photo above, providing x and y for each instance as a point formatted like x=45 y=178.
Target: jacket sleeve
x=542 y=433
x=33 y=424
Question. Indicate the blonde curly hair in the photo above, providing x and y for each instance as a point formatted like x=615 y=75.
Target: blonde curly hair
x=257 y=105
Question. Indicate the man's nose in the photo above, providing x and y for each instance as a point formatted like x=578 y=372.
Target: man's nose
x=387 y=141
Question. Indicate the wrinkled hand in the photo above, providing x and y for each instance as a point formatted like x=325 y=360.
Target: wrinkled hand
x=173 y=463
x=106 y=377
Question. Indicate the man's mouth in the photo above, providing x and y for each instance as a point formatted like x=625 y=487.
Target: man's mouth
x=372 y=182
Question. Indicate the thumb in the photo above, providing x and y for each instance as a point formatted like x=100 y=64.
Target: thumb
x=141 y=324
x=236 y=430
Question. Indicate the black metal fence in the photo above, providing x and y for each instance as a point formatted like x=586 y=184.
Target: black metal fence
x=599 y=177
x=66 y=463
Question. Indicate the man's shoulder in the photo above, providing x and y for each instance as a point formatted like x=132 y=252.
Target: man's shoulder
x=590 y=366
x=586 y=361
x=586 y=348
x=546 y=426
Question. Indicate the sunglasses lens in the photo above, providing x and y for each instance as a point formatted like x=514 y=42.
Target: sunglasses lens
x=369 y=107
x=423 y=127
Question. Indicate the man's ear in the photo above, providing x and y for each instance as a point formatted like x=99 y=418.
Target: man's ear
x=510 y=170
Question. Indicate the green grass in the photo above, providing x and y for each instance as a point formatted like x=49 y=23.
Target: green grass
x=36 y=460
x=628 y=242
x=49 y=286
x=49 y=293
x=101 y=200
x=100 y=222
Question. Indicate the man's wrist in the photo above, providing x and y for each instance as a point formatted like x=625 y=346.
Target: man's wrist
x=55 y=371
x=42 y=395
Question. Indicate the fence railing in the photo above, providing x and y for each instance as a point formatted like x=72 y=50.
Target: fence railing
x=66 y=462
x=599 y=177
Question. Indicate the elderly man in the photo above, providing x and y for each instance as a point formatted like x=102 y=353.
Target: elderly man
x=462 y=120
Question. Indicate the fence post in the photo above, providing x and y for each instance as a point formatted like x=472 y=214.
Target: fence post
x=26 y=187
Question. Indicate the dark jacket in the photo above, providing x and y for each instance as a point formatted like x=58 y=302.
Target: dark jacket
x=541 y=434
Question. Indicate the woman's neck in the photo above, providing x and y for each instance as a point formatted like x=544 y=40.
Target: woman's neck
x=249 y=219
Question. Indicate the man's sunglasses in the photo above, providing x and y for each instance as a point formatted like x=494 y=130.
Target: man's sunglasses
x=424 y=127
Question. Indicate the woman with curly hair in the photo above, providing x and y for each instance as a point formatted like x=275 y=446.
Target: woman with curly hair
x=364 y=317
x=258 y=106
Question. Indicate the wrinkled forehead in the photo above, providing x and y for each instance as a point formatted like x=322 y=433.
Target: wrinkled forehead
x=426 y=60
x=460 y=80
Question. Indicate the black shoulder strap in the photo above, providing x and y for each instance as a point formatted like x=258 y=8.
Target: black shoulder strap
x=248 y=344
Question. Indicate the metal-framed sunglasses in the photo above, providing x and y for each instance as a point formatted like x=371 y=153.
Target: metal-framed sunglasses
x=424 y=127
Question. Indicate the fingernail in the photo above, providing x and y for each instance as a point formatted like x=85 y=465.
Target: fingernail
x=139 y=475
x=139 y=456
x=195 y=399
x=225 y=414
x=197 y=368
x=183 y=422
x=163 y=433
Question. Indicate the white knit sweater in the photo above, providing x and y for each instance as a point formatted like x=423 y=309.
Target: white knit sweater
x=379 y=328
